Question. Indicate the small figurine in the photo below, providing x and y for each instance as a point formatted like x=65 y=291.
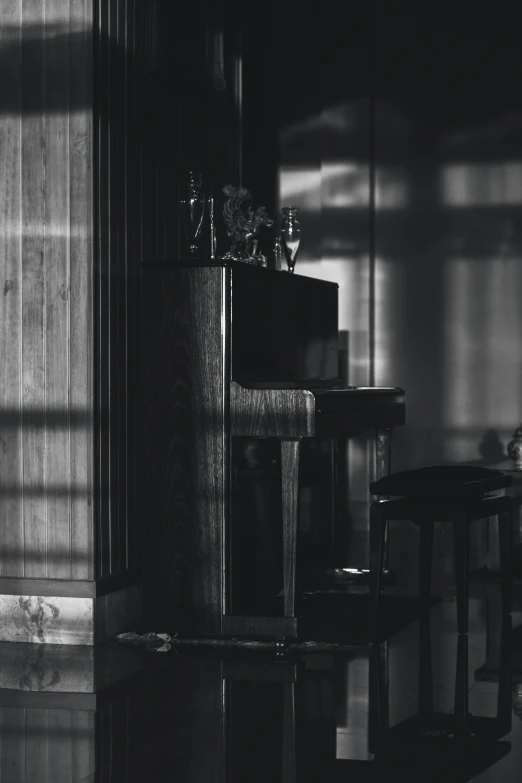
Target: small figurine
x=243 y=225
x=514 y=448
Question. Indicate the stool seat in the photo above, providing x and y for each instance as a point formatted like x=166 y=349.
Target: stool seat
x=456 y=494
x=442 y=481
x=447 y=509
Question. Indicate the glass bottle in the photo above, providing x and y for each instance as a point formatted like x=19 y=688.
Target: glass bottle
x=290 y=235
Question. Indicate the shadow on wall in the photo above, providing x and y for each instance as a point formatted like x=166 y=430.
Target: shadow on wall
x=410 y=200
x=33 y=53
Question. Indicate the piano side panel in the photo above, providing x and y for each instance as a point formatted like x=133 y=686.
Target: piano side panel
x=185 y=446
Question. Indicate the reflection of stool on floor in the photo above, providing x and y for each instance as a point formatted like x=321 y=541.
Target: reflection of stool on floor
x=455 y=494
x=460 y=723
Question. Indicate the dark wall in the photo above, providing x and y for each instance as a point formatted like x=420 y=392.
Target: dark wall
x=192 y=107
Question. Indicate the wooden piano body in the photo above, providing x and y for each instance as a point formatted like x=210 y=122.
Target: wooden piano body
x=232 y=350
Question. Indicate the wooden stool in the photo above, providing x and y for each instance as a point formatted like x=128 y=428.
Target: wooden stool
x=454 y=494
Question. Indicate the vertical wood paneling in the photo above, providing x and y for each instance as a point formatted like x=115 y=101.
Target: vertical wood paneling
x=81 y=291
x=121 y=204
x=46 y=745
x=114 y=271
x=119 y=128
x=11 y=521
x=83 y=746
x=57 y=295
x=36 y=744
x=61 y=740
x=69 y=298
x=103 y=284
x=34 y=186
x=135 y=250
x=45 y=378
x=12 y=747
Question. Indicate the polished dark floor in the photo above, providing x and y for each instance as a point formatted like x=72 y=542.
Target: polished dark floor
x=379 y=712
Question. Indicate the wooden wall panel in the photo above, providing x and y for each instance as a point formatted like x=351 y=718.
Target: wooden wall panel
x=11 y=520
x=12 y=755
x=92 y=164
x=57 y=300
x=45 y=397
x=124 y=195
x=103 y=282
x=48 y=745
x=81 y=293
x=33 y=173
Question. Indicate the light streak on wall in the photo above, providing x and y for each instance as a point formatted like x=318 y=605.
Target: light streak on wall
x=300 y=187
x=341 y=186
x=484 y=184
x=385 y=306
x=483 y=360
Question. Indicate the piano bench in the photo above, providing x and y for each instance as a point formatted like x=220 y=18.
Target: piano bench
x=455 y=494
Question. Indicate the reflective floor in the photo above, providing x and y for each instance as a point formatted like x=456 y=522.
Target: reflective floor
x=425 y=705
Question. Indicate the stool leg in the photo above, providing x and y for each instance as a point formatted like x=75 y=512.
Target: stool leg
x=383 y=468
x=290 y=486
x=425 y=561
x=461 y=689
x=505 y=538
x=504 y=705
x=378 y=697
x=425 y=670
x=377 y=539
x=461 y=550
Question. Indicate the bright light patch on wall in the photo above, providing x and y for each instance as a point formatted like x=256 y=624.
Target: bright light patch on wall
x=345 y=185
x=300 y=187
x=483 y=361
x=384 y=311
x=482 y=184
x=391 y=188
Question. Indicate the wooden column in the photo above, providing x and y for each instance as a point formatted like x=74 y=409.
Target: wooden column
x=71 y=241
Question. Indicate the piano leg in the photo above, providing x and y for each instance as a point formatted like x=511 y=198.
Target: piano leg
x=382 y=453
x=383 y=468
x=290 y=486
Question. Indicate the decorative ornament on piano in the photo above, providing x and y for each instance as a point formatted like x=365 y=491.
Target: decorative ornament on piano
x=514 y=448
x=243 y=225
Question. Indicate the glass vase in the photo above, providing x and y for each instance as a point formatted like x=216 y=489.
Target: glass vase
x=192 y=214
x=290 y=235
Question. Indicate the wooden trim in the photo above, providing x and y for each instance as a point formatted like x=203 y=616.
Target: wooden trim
x=45 y=700
x=66 y=588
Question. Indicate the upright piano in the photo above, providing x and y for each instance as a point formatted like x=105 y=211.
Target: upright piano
x=232 y=351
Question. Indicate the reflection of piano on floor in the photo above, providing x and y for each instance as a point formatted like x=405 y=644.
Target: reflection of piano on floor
x=234 y=351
